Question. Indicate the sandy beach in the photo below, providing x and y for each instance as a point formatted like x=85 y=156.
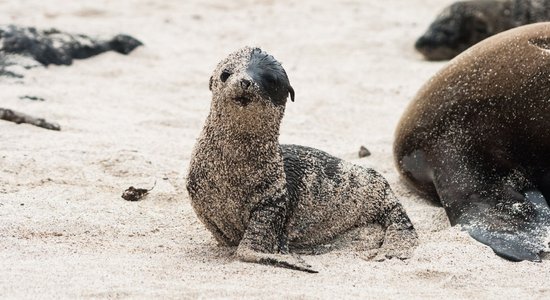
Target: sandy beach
x=65 y=231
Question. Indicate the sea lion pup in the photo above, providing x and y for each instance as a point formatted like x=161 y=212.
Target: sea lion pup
x=53 y=47
x=477 y=138
x=269 y=199
x=466 y=23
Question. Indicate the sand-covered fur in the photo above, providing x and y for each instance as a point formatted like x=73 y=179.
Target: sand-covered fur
x=265 y=198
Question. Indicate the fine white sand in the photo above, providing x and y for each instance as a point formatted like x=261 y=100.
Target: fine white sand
x=65 y=232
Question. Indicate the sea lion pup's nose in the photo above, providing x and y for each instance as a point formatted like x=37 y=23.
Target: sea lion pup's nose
x=245 y=83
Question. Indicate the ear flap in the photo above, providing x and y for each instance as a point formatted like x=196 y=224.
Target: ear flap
x=291 y=91
x=210 y=83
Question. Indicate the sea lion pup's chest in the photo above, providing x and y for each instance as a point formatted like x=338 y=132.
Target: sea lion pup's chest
x=229 y=177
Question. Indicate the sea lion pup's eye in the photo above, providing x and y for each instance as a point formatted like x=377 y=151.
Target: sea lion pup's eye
x=225 y=74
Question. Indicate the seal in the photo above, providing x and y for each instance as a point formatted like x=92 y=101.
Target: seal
x=271 y=200
x=466 y=23
x=476 y=137
x=30 y=47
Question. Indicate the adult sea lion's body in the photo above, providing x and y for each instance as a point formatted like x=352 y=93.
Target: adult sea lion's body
x=268 y=198
x=477 y=137
x=466 y=23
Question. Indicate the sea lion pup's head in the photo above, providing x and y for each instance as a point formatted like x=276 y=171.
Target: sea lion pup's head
x=455 y=29
x=250 y=89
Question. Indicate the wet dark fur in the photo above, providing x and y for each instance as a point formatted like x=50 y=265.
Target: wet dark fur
x=466 y=23
x=270 y=76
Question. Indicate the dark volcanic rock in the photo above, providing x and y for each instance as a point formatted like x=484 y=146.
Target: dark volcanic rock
x=29 y=47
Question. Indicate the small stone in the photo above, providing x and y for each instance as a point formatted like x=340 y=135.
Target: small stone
x=363 y=152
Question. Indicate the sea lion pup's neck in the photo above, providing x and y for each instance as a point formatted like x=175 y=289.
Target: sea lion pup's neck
x=242 y=137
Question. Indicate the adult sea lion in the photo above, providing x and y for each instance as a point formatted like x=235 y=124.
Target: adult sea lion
x=477 y=137
x=270 y=199
x=466 y=23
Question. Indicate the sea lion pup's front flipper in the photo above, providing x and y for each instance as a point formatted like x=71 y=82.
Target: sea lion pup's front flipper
x=264 y=240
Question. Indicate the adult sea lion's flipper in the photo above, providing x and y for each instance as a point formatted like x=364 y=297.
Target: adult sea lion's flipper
x=516 y=230
x=523 y=239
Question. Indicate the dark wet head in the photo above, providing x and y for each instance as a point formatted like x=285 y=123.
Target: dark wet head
x=457 y=28
x=249 y=76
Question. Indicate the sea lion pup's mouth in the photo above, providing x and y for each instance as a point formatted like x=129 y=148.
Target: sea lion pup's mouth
x=242 y=100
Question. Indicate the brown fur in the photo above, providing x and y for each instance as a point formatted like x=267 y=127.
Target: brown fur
x=476 y=137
